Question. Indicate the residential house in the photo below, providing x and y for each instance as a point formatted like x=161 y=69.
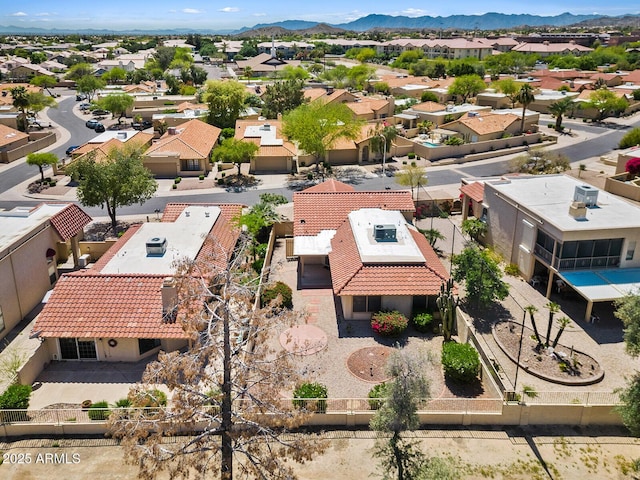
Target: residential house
x=569 y=234
x=183 y=151
x=287 y=50
x=275 y=154
x=124 y=307
x=363 y=246
x=27 y=71
x=547 y=49
x=447 y=48
x=264 y=64
x=10 y=139
x=440 y=114
x=481 y=126
x=32 y=241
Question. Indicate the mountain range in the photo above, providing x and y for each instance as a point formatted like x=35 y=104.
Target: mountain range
x=487 y=21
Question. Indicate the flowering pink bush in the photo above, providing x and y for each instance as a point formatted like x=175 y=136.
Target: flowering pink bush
x=389 y=324
x=633 y=166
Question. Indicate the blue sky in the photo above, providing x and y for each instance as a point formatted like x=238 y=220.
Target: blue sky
x=232 y=14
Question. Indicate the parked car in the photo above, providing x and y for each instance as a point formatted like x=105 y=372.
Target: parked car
x=71 y=149
x=99 y=128
x=80 y=97
x=84 y=106
x=34 y=123
x=92 y=123
x=142 y=125
x=99 y=112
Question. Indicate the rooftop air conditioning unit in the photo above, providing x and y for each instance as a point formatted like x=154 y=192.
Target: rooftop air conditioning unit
x=586 y=194
x=384 y=233
x=156 y=246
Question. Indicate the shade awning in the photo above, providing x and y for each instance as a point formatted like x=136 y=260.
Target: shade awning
x=603 y=285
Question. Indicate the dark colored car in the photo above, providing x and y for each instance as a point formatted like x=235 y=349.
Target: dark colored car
x=99 y=128
x=70 y=150
x=80 y=97
x=142 y=125
x=100 y=112
x=92 y=123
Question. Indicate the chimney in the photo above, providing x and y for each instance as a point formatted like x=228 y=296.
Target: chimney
x=172 y=130
x=578 y=210
x=169 y=295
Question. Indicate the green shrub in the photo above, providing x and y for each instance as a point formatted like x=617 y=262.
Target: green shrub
x=123 y=403
x=377 y=395
x=220 y=181
x=271 y=293
x=512 y=269
x=201 y=177
x=174 y=186
x=99 y=411
x=315 y=391
x=413 y=164
x=177 y=180
x=52 y=183
x=454 y=141
x=423 y=322
x=150 y=398
x=460 y=362
x=389 y=324
x=411 y=156
x=16 y=397
x=631 y=139
x=223 y=174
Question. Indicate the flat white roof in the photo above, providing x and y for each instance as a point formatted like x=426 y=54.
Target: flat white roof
x=122 y=135
x=318 y=245
x=184 y=237
x=403 y=250
x=554 y=95
x=20 y=221
x=265 y=132
x=549 y=197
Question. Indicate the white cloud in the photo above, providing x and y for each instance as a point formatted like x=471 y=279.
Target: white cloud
x=414 y=12
x=259 y=14
x=229 y=9
x=191 y=10
x=19 y=14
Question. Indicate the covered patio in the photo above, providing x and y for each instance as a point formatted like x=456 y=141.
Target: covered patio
x=601 y=285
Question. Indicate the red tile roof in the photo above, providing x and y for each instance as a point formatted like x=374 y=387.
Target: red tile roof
x=474 y=190
x=90 y=304
x=116 y=306
x=350 y=276
x=70 y=221
x=330 y=185
x=316 y=211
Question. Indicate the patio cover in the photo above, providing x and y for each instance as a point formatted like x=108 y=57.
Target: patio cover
x=602 y=285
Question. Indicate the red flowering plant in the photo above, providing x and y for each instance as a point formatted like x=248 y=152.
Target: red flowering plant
x=389 y=323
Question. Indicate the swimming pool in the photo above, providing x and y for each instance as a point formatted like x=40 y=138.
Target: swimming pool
x=430 y=144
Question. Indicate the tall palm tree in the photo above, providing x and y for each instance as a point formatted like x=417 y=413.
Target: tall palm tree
x=525 y=98
x=531 y=310
x=20 y=97
x=560 y=108
x=553 y=309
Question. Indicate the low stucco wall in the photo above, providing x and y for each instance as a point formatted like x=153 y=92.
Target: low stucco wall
x=618 y=185
x=511 y=414
x=39 y=142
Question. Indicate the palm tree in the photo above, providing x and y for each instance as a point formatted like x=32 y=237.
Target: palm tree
x=560 y=108
x=531 y=310
x=20 y=97
x=525 y=97
x=248 y=72
x=553 y=309
x=562 y=323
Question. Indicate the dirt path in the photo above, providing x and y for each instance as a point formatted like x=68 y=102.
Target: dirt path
x=474 y=454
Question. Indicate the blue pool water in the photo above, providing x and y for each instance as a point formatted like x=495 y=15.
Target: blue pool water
x=430 y=145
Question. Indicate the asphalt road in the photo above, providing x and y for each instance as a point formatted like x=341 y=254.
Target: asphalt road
x=599 y=140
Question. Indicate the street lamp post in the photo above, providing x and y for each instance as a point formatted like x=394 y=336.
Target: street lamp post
x=384 y=152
